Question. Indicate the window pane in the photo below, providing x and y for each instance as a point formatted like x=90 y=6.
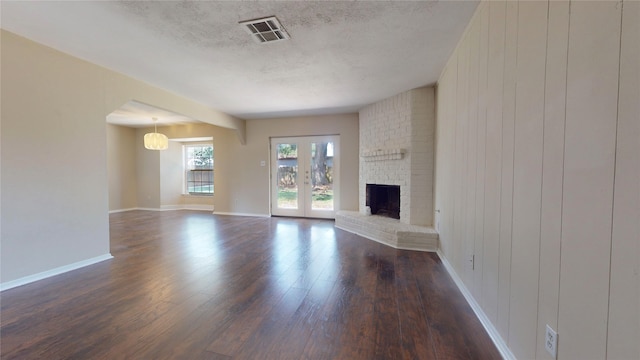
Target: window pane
x=287 y=176
x=199 y=162
x=322 y=176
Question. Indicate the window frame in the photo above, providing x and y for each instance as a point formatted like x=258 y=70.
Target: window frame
x=186 y=168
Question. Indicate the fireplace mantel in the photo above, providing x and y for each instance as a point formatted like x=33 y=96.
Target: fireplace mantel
x=383 y=154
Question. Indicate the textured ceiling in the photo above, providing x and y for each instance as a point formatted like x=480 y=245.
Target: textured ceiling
x=341 y=55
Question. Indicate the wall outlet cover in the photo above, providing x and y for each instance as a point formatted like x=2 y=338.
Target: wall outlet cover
x=551 y=341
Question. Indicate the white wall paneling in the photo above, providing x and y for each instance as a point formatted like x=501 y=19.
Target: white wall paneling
x=624 y=295
x=552 y=169
x=537 y=173
x=587 y=196
x=527 y=176
x=493 y=161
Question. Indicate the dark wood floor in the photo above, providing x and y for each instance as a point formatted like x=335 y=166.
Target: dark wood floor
x=191 y=285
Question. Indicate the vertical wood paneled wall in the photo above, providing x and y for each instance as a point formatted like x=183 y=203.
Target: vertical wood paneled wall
x=538 y=173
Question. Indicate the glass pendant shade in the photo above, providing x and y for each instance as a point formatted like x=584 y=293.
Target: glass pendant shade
x=156 y=141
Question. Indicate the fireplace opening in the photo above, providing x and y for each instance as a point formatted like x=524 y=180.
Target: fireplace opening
x=384 y=200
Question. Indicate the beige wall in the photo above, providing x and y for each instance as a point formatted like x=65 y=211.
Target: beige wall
x=171 y=179
x=121 y=167
x=54 y=160
x=171 y=163
x=538 y=177
x=248 y=183
x=156 y=175
x=147 y=173
x=55 y=197
x=241 y=184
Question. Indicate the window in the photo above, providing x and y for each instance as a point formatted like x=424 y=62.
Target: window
x=198 y=166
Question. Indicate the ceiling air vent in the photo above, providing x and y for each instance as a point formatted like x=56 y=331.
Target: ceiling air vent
x=265 y=29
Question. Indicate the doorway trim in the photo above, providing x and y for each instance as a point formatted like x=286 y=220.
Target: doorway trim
x=304 y=207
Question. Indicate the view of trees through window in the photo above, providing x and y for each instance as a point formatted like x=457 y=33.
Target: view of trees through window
x=320 y=172
x=199 y=162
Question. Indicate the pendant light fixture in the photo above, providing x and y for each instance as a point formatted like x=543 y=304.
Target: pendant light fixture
x=155 y=140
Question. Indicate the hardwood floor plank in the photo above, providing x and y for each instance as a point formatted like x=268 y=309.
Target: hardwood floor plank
x=438 y=292
x=356 y=310
x=448 y=342
x=387 y=322
x=208 y=355
x=191 y=285
x=415 y=333
x=324 y=338
x=267 y=339
x=154 y=337
x=297 y=332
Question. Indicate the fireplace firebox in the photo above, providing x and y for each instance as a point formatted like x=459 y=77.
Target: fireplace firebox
x=384 y=200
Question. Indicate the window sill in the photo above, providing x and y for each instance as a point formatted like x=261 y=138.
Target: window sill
x=197 y=196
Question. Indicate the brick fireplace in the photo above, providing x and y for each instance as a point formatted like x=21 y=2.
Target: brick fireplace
x=397 y=149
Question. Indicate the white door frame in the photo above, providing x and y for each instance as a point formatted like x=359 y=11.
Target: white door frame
x=304 y=208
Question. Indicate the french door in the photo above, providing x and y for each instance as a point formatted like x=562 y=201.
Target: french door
x=305 y=176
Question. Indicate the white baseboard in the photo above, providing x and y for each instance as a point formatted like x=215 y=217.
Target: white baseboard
x=57 y=271
x=241 y=214
x=170 y=207
x=484 y=320
x=198 y=207
x=121 y=210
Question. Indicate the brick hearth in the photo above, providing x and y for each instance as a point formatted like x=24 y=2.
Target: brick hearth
x=388 y=231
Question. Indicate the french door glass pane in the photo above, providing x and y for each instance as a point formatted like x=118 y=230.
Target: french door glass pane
x=321 y=176
x=287 y=177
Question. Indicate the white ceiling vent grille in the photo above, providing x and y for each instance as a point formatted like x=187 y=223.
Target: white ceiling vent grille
x=265 y=29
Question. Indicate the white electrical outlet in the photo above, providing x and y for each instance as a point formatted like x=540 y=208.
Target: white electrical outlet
x=551 y=341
